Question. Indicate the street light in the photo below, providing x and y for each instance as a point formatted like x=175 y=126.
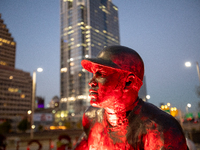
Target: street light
x=148 y=97
x=33 y=99
x=189 y=64
x=29 y=112
x=188 y=106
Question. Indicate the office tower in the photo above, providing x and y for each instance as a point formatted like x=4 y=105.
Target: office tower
x=7 y=46
x=143 y=91
x=87 y=26
x=15 y=85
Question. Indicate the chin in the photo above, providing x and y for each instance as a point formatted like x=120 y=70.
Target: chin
x=96 y=103
x=100 y=104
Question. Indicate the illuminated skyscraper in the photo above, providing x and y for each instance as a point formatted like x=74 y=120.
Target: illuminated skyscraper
x=87 y=26
x=15 y=85
x=7 y=46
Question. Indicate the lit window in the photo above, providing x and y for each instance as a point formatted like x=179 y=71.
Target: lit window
x=63 y=69
x=81 y=97
x=83 y=44
x=22 y=96
x=82 y=28
x=87 y=32
x=87 y=36
x=88 y=27
x=115 y=8
x=12 y=43
x=71 y=64
x=71 y=98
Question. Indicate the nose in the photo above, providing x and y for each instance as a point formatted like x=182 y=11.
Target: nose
x=92 y=83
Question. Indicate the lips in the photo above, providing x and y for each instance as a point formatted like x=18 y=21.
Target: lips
x=93 y=94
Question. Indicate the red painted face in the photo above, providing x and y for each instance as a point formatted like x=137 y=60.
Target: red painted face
x=106 y=86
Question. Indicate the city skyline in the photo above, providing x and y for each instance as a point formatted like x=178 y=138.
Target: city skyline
x=165 y=34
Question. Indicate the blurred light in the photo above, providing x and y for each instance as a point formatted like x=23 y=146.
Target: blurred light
x=22 y=95
x=62 y=115
x=189 y=105
x=188 y=64
x=174 y=111
x=29 y=112
x=86 y=56
x=166 y=107
x=71 y=99
x=148 y=97
x=71 y=64
x=168 y=104
x=162 y=107
x=63 y=69
x=11 y=77
x=33 y=126
x=57 y=127
x=39 y=69
x=73 y=114
x=53 y=111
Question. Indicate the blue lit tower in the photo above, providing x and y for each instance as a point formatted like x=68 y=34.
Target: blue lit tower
x=86 y=27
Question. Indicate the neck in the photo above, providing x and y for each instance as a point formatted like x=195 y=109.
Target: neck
x=116 y=116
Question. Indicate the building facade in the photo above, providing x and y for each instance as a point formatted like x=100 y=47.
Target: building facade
x=87 y=26
x=15 y=85
x=143 y=91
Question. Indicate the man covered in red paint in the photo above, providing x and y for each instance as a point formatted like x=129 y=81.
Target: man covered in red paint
x=117 y=119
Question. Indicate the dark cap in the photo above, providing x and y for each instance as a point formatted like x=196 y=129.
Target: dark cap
x=117 y=57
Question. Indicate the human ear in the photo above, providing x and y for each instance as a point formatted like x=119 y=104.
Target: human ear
x=130 y=80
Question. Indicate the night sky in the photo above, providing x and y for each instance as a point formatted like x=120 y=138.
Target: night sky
x=165 y=33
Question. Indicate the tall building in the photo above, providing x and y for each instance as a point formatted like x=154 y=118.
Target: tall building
x=143 y=91
x=87 y=26
x=15 y=85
